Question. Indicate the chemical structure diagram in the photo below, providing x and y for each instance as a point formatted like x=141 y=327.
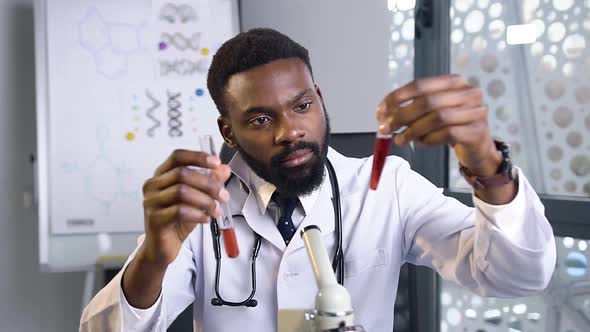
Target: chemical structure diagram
x=109 y=43
x=105 y=180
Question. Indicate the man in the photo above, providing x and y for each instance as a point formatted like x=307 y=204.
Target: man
x=273 y=114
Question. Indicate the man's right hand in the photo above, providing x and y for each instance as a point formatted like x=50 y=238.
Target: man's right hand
x=176 y=199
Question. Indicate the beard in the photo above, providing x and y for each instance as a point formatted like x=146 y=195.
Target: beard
x=295 y=181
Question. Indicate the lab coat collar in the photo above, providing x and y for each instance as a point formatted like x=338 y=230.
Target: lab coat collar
x=319 y=209
x=240 y=169
x=253 y=215
x=264 y=191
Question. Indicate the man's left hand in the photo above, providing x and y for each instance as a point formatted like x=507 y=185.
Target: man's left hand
x=442 y=110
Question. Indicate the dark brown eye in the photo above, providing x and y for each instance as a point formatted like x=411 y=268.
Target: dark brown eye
x=303 y=107
x=259 y=121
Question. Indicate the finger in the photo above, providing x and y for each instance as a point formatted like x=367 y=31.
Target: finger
x=179 y=214
x=188 y=158
x=183 y=194
x=466 y=134
x=221 y=173
x=436 y=120
x=212 y=183
x=418 y=88
x=404 y=116
x=428 y=85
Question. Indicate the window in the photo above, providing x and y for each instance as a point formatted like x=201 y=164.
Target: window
x=563 y=307
x=401 y=70
x=537 y=90
x=531 y=61
x=401 y=44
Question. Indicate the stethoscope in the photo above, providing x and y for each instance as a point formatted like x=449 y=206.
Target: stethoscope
x=337 y=262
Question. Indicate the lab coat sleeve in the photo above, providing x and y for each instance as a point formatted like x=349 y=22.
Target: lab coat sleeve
x=502 y=251
x=110 y=311
x=136 y=319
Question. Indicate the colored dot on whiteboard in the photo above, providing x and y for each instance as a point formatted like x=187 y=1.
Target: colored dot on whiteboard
x=204 y=51
x=199 y=92
x=130 y=136
x=162 y=46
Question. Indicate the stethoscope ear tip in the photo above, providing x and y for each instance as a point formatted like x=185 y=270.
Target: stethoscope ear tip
x=251 y=303
x=216 y=302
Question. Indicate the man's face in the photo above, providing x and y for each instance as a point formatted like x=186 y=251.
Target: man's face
x=276 y=120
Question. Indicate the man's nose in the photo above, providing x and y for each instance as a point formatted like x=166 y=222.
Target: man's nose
x=288 y=131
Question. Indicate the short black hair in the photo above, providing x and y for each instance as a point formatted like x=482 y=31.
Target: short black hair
x=248 y=50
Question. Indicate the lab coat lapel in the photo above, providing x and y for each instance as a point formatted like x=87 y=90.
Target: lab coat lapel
x=322 y=213
x=262 y=224
x=259 y=223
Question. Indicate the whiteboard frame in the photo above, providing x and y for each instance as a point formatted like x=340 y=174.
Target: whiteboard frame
x=69 y=252
x=42 y=108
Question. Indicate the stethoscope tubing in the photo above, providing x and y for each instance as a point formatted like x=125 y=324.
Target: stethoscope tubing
x=337 y=262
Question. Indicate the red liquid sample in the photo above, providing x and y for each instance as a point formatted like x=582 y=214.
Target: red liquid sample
x=382 y=145
x=231 y=243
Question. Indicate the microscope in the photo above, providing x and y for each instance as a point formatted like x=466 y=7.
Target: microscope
x=333 y=309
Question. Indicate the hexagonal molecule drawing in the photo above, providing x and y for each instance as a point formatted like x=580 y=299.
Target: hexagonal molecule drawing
x=105 y=181
x=109 y=43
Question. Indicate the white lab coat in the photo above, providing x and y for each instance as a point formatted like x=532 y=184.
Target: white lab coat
x=500 y=251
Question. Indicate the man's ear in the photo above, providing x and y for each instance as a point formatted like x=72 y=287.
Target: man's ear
x=225 y=130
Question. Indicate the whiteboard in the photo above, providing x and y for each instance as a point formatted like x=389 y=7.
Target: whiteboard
x=120 y=85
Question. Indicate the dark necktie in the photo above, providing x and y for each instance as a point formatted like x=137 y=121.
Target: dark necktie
x=285 y=224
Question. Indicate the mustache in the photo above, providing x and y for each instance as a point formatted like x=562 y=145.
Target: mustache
x=277 y=159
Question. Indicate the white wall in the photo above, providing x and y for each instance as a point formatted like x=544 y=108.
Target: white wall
x=348 y=43
x=29 y=300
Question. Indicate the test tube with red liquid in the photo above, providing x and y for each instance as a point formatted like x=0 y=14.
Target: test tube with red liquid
x=382 y=145
x=225 y=221
x=226 y=224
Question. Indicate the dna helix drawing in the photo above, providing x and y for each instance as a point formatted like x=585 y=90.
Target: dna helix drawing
x=182 y=67
x=150 y=113
x=182 y=42
x=174 y=114
x=184 y=13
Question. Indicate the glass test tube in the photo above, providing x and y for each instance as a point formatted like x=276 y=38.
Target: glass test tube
x=382 y=145
x=225 y=221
